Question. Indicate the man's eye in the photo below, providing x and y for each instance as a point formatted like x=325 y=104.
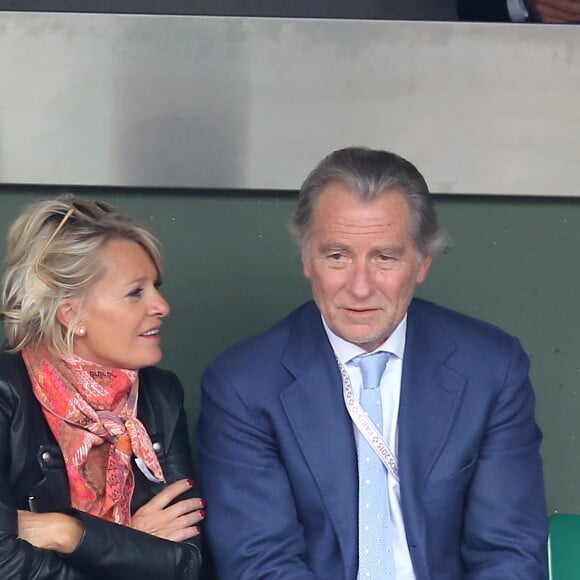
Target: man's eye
x=385 y=261
x=337 y=259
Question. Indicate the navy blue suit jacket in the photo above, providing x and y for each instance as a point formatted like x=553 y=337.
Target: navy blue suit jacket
x=278 y=455
x=483 y=10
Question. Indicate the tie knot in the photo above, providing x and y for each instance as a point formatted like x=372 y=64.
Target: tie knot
x=372 y=367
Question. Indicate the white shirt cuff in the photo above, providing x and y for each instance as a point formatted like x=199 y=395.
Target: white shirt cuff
x=517 y=10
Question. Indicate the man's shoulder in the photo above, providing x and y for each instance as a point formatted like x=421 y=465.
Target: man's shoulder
x=273 y=341
x=457 y=325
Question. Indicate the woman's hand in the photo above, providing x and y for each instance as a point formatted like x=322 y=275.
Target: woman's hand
x=175 y=522
x=50 y=531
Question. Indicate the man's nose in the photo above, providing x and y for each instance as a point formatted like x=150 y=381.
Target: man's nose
x=361 y=281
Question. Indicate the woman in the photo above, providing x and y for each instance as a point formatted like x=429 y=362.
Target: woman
x=91 y=434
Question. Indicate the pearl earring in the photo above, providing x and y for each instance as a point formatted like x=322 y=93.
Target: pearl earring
x=82 y=331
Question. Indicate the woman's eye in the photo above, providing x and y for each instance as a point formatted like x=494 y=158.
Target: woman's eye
x=136 y=293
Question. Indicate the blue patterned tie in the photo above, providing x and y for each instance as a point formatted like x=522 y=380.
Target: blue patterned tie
x=375 y=540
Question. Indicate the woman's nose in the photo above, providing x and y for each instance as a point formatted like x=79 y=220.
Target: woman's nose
x=160 y=306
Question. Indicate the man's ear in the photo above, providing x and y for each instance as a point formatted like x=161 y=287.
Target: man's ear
x=67 y=311
x=423 y=269
x=306 y=266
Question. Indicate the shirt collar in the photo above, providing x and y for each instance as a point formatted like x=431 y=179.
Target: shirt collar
x=346 y=351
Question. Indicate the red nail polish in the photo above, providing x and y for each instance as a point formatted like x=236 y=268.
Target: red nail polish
x=202 y=513
x=203 y=503
x=191 y=482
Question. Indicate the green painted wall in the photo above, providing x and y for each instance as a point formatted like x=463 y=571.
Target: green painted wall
x=232 y=270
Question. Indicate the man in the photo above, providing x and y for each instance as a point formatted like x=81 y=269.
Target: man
x=281 y=429
x=546 y=11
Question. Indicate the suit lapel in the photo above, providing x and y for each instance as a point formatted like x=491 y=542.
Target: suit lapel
x=317 y=415
x=431 y=392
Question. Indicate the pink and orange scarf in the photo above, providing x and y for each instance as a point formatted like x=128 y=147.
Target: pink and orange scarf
x=92 y=412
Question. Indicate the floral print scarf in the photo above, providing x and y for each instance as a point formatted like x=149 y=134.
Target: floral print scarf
x=92 y=413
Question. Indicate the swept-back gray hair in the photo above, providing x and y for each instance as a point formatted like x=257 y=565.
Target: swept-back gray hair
x=369 y=174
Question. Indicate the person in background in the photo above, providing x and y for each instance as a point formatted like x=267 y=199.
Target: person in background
x=370 y=434
x=95 y=463
x=547 y=11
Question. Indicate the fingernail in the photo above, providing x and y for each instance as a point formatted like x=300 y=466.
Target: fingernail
x=202 y=513
x=197 y=529
x=203 y=503
x=191 y=482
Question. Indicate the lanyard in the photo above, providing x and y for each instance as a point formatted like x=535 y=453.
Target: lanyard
x=366 y=427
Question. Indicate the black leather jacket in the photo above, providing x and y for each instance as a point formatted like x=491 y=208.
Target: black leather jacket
x=32 y=474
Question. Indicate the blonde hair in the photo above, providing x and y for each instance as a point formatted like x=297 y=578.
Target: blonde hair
x=53 y=253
